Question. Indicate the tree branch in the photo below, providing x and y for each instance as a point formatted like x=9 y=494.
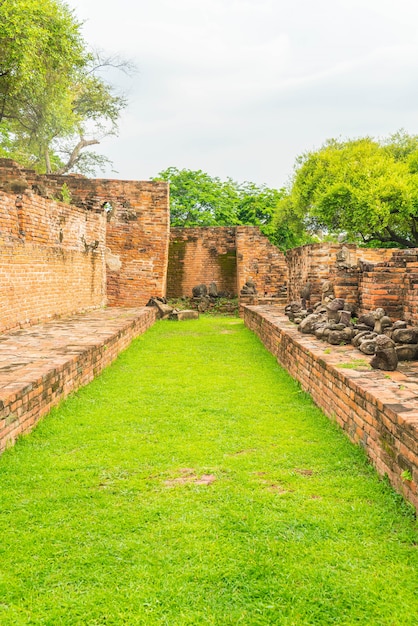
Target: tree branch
x=75 y=154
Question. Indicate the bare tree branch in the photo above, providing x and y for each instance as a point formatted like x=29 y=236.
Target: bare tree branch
x=75 y=154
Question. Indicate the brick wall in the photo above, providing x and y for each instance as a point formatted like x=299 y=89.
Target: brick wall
x=138 y=222
x=393 y=285
x=51 y=259
x=227 y=256
x=137 y=241
x=369 y=406
x=202 y=255
x=259 y=260
x=338 y=263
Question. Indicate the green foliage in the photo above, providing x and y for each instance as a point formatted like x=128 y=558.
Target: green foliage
x=197 y=199
x=406 y=475
x=65 y=194
x=50 y=94
x=103 y=522
x=363 y=189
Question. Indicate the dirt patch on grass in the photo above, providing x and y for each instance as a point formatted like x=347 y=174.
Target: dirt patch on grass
x=188 y=476
x=304 y=472
x=240 y=452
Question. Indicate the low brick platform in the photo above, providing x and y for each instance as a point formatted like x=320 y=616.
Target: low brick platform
x=378 y=410
x=41 y=365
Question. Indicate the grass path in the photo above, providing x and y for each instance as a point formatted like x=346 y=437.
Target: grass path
x=194 y=483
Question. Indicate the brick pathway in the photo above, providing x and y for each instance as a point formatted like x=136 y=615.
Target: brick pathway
x=41 y=365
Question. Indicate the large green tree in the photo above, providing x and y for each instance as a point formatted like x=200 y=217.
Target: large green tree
x=364 y=190
x=197 y=199
x=53 y=104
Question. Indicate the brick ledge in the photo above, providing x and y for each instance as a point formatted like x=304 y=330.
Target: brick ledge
x=41 y=365
x=378 y=410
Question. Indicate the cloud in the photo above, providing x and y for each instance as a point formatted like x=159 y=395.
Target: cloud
x=240 y=87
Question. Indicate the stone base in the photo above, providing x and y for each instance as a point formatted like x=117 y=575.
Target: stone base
x=180 y=316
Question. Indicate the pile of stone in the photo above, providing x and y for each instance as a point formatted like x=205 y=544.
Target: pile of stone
x=165 y=311
x=204 y=296
x=374 y=333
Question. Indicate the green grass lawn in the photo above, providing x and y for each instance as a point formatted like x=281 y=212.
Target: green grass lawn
x=194 y=483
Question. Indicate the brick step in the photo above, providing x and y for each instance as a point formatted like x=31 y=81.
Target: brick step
x=41 y=365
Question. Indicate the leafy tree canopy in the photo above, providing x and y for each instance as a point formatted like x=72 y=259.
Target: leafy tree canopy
x=197 y=199
x=53 y=102
x=363 y=189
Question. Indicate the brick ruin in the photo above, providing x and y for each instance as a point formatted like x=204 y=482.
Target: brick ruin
x=226 y=256
x=109 y=246
x=112 y=245
x=365 y=277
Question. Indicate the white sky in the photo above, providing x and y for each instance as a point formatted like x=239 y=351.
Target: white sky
x=239 y=88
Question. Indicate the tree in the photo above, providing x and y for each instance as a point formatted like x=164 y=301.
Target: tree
x=53 y=103
x=197 y=199
x=364 y=189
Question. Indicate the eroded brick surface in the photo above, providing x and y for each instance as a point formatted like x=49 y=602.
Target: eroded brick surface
x=41 y=365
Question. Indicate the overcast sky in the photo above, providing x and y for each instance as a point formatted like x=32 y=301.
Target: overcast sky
x=239 y=88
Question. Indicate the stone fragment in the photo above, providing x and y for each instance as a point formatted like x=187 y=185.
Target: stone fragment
x=305 y=294
x=367 y=319
x=164 y=310
x=386 y=357
x=180 y=316
x=203 y=304
x=378 y=315
x=361 y=327
x=248 y=288
x=213 y=290
x=343 y=258
x=292 y=310
x=386 y=322
x=336 y=305
x=337 y=338
x=199 y=291
x=399 y=324
x=407 y=352
x=345 y=317
x=368 y=346
x=327 y=292
x=306 y=325
x=348 y=334
x=405 y=335
x=334 y=308
x=363 y=336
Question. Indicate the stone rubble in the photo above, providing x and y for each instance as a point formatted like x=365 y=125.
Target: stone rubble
x=374 y=334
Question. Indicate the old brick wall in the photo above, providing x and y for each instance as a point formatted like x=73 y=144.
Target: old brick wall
x=202 y=255
x=51 y=259
x=261 y=261
x=137 y=241
x=138 y=223
x=226 y=256
x=393 y=285
x=372 y=409
x=338 y=263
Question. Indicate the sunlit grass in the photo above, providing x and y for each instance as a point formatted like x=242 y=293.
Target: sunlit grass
x=103 y=519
